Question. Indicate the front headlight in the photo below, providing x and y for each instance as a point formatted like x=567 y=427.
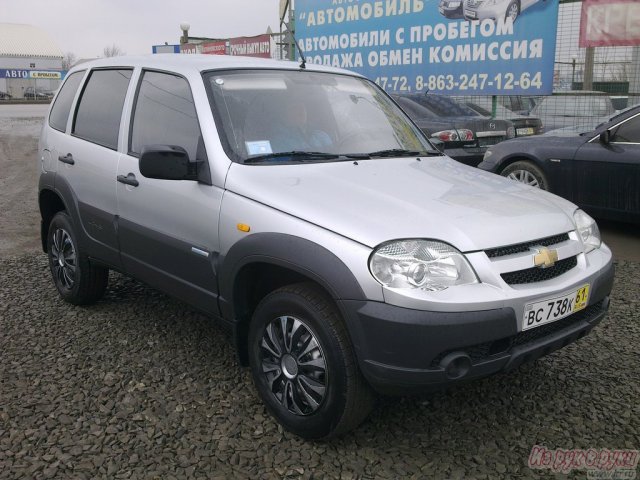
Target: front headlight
x=420 y=264
x=588 y=230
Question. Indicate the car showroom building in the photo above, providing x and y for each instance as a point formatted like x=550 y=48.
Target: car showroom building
x=30 y=62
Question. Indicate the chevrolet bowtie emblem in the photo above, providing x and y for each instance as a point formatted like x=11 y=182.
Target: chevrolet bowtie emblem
x=545 y=258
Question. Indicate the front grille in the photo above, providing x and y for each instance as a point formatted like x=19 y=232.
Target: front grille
x=537 y=274
x=525 y=247
x=482 y=351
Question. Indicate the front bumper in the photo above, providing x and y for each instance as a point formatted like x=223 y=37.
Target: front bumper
x=403 y=350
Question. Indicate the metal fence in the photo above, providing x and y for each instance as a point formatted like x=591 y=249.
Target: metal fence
x=590 y=84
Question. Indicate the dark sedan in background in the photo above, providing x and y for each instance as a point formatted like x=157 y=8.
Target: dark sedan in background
x=525 y=125
x=464 y=133
x=598 y=170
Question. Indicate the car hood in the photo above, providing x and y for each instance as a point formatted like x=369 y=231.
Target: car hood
x=374 y=201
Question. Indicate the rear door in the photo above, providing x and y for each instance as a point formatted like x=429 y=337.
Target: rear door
x=606 y=178
x=88 y=160
x=168 y=229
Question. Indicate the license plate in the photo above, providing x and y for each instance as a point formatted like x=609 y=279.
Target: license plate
x=525 y=131
x=470 y=13
x=552 y=309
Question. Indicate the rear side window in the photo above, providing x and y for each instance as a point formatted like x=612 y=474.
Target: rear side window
x=100 y=108
x=165 y=114
x=60 y=111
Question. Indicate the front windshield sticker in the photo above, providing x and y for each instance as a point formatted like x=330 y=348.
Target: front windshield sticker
x=259 y=147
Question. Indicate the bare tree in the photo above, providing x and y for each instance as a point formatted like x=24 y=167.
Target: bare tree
x=112 y=51
x=68 y=60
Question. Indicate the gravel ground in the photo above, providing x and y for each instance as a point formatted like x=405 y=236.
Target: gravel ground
x=139 y=386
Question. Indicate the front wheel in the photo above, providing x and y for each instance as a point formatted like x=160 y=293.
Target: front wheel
x=303 y=364
x=527 y=173
x=77 y=280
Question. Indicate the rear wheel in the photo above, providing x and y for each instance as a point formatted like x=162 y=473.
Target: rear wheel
x=528 y=173
x=303 y=364
x=77 y=280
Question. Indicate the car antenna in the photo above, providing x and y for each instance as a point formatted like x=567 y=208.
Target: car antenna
x=303 y=63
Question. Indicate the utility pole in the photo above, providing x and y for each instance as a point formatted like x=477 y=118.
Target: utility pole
x=589 y=57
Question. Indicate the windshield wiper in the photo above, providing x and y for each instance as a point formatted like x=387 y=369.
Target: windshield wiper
x=399 y=152
x=296 y=156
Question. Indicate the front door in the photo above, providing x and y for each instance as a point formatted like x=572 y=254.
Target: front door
x=607 y=177
x=168 y=229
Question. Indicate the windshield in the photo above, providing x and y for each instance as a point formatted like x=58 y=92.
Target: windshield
x=443 y=106
x=308 y=116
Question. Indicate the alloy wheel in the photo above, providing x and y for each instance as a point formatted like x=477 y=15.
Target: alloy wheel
x=513 y=12
x=524 y=176
x=63 y=254
x=294 y=365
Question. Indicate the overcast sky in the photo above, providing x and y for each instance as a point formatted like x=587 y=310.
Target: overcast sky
x=85 y=27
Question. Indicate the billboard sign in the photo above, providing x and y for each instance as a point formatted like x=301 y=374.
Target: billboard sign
x=472 y=47
x=190 y=48
x=258 y=46
x=610 y=23
x=214 y=48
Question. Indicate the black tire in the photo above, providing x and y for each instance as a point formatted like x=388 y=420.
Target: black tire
x=346 y=399
x=513 y=10
x=528 y=173
x=77 y=280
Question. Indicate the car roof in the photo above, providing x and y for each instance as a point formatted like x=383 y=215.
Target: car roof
x=200 y=63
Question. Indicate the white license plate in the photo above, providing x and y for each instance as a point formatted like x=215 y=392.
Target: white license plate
x=525 y=131
x=470 y=13
x=552 y=309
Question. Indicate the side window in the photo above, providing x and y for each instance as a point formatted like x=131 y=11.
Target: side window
x=628 y=132
x=165 y=114
x=100 y=108
x=60 y=111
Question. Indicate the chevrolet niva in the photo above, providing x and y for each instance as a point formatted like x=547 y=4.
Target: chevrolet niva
x=303 y=209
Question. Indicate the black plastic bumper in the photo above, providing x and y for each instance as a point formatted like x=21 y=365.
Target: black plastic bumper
x=402 y=351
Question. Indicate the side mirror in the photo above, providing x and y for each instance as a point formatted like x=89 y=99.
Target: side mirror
x=167 y=162
x=605 y=137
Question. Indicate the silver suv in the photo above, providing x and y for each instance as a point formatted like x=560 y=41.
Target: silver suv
x=302 y=209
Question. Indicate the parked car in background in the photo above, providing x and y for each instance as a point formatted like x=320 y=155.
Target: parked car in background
x=464 y=133
x=494 y=9
x=574 y=109
x=598 y=170
x=525 y=125
x=37 y=94
x=4 y=96
x=520 y=104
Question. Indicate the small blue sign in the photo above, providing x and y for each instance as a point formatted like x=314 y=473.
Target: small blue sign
x=457 y=47
x=13 y=73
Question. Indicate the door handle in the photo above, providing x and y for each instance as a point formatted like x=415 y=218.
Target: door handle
x=128 y=180
x=68 y=159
